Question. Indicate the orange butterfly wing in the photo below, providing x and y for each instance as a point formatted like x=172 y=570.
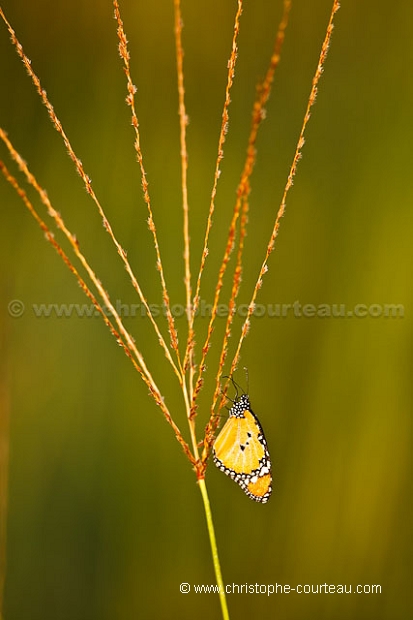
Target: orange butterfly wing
x=241 y=452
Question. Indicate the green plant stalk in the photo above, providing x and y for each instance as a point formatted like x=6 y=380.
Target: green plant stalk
x=214 y=549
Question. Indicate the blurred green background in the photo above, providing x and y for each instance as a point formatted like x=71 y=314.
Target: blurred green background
x=104 y=516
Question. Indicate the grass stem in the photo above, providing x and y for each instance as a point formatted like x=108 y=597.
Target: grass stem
x=214 y=549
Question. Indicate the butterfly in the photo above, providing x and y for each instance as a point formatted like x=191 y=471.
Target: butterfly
x=241 y=452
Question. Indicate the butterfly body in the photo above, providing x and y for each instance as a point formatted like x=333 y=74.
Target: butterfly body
x=241 y=452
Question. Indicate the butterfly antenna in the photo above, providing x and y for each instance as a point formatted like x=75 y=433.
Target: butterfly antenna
x=223 y=392
x=236 y=386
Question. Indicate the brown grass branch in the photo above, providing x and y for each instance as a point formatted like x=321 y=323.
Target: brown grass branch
x=124 y=53
x=258 y=115
x=130 y=100
x=188 y=383
x=222 y=136
x=86 y=180
x=290 y=179
x=123 y=337
x=221 y=141
x=183 y=123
